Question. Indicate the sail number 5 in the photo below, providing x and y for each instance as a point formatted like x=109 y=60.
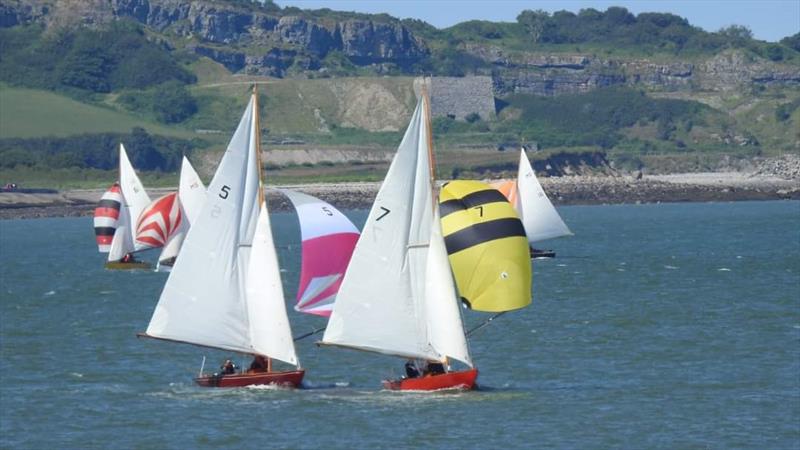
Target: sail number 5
x=224 y=192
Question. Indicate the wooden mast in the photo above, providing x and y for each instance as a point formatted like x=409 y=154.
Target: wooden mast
x=429 y=127
x=257 y=126
x=261 y=201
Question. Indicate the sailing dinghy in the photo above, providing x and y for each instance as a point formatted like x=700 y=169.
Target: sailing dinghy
x=539 y=216
x=397 y=296
x=191 y=195
x=134 y=201
x=328 y=239
x=225 y=291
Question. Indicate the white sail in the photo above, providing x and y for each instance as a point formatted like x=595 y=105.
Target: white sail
x=191 y=194
x=205 y=300
x=119 y=243
x=191 y=191
x=270 y=333
x=381 y=306
x=136 y=199
x=446 y=331
x=539 y=217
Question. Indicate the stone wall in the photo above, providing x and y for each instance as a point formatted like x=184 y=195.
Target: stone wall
x=458 y=97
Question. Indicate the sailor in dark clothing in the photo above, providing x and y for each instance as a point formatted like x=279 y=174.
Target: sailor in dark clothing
x=228 y=367
x=434 y=368
x=259 y=364
x=411 y=369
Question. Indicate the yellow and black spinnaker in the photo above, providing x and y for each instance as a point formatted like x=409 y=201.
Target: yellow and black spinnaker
x=487 y=246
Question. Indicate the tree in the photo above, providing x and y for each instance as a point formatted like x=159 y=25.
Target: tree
x=736 y=35
x=534 y=22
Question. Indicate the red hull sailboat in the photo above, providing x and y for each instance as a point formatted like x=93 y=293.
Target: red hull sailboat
x=401 y=247
x=464 y=379
x=291 y=379
x=225 y=290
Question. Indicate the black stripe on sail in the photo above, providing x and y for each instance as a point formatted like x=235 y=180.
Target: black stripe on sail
x=483 y=232
x=113 y=204
x=470 y=201
x=104 y=231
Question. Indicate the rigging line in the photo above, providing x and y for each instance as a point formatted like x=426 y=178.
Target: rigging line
x=486 y=322
x=310 y=333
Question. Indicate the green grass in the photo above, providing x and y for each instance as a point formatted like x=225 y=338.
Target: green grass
x=26 y=113
x=34 y=177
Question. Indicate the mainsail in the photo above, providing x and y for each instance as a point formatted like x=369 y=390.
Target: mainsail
x=134 y=201
x=191 y=195
x=539 y=216
x=106 y=216
x=487 y=247
x=329 y=238
x=224 y=291
x=395 y=279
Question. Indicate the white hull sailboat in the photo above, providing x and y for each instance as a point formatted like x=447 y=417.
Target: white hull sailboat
x=538 y=215
x=225 y=290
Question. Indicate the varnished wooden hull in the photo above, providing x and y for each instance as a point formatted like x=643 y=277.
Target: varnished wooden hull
x=291 y=379
x=463 y=380
x=138 y=265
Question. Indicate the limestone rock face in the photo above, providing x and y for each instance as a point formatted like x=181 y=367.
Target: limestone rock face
x=252 y=38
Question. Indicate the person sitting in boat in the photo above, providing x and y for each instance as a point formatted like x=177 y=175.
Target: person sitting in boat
x=411 y=369
x=228 y=367
x=434 y=368
x=259 y=364
x=128 y=258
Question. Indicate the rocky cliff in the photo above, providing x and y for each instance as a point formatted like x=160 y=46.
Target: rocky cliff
x=251 y=38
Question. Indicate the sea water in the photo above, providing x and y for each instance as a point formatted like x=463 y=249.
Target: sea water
x=657 y=326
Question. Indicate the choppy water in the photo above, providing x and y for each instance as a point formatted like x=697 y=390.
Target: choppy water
x=658 y=326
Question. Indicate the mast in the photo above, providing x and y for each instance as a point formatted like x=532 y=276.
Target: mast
x=428 y=126
x=257 y=126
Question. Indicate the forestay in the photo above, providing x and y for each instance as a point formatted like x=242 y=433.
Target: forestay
x=209 y=297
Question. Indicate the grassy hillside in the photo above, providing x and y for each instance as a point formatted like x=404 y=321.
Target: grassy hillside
x=28 y=113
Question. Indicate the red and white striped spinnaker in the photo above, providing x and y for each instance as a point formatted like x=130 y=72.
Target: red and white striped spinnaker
x=105 y=217
x=329 y=238
x=159 y=221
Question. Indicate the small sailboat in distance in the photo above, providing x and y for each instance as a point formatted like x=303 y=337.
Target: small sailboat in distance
x=328 y=239
x=539 y=216
x=397 y=296
x=134 y=201
x=225 y=290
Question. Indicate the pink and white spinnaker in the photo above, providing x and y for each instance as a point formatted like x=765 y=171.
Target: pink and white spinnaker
x=329 y=238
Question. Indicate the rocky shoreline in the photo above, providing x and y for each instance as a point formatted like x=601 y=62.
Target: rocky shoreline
x=569 y=190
